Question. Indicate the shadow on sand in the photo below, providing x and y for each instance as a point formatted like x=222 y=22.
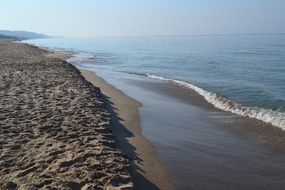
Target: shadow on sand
x=122 y=143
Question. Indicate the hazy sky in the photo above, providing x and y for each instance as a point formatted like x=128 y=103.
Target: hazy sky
x=143 y=17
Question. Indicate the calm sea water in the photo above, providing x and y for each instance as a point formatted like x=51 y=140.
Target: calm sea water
x=242 y=74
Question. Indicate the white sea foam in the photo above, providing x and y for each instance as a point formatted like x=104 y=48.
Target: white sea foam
x=267 y=115
x=81 y=58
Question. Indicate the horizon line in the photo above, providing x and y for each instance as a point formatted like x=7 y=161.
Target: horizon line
x=171 y=35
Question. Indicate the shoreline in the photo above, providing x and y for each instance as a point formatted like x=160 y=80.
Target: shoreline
x=145 y=164
x=146 y=170
x=264 y=133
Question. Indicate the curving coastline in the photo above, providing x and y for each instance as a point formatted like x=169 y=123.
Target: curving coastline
x=190 y=134
x=146 y=171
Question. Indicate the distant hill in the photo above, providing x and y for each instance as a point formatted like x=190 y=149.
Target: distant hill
x=7 y=37
x=22 y=34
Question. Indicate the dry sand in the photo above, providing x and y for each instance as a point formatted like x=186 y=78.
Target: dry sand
x=55 y=130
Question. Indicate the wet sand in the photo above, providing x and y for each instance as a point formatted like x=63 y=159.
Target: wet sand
x=264 y=133
x=147 y=171
x=55 y=129
x=207 y=148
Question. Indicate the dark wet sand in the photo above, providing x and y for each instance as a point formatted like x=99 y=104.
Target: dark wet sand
x=147 y=171
x=206 y=148
x=55 y=130
x=262 y=132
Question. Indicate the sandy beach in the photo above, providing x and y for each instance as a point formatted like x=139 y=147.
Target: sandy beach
x=59 y=131
x=142 y=95
x=55 y=130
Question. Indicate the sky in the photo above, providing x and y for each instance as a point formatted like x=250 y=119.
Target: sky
x=88 y=18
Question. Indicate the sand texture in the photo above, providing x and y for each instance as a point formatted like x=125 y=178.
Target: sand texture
x=54 y=129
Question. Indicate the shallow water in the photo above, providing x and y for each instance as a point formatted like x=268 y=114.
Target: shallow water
x=201 y=147
x=196 y=144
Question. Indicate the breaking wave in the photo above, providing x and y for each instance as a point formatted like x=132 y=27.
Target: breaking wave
x=80 y=58
x=267 y=115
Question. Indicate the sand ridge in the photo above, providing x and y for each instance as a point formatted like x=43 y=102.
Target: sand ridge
x=54 y=130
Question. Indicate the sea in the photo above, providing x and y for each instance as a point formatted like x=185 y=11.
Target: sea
x=240 y=77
